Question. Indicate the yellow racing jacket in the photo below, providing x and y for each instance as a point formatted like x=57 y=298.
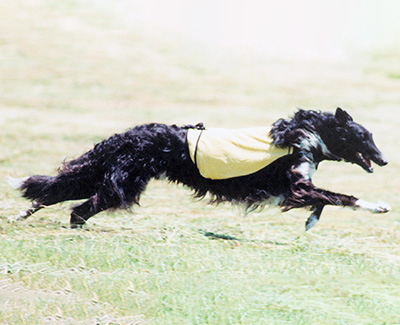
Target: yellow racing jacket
x=225 y=153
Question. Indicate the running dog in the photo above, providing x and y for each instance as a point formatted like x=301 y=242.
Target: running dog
x=117 y=170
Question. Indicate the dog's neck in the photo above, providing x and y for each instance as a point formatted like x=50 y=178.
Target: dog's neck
x=315 y=149
x=302 y=134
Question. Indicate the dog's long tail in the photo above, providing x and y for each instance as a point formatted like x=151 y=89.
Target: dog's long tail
x=45 y=190
x=76 y=180
x=48 y=190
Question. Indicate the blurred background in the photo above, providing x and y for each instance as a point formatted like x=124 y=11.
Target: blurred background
x=308 y=29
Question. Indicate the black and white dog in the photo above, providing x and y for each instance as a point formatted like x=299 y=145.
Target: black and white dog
x=116 y=171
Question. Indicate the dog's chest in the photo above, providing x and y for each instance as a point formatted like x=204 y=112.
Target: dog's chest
x=306 y=169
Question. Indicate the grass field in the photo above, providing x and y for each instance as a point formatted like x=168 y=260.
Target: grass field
x=72 y=73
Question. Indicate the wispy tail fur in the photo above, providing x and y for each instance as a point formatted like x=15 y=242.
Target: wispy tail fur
x=41 y=188
x=16 y=183
x=73 y=182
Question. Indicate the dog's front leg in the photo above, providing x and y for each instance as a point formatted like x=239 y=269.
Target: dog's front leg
x=380 y=207
x=314 y=217
x=306 y=194
x=350 y=201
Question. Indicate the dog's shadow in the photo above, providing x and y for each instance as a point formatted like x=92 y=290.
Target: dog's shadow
x=214 y=236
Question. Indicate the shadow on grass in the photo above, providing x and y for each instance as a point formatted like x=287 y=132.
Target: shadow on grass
x=215 y=236
x=212 y=235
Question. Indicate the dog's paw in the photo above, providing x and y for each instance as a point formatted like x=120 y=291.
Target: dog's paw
x=311 y=222
x=23 y=215
x=16 y=218
x=382 y=207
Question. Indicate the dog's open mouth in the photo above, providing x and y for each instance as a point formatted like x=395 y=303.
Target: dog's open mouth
x=364 y=162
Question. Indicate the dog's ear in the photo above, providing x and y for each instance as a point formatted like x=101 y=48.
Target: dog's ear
x=342 y=116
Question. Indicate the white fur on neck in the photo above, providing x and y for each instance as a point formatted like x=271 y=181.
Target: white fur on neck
x=307 y=169
x=314 y=141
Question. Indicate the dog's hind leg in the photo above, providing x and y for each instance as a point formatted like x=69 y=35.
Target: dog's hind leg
x=81 y=213
x=314 y=217
x=118 y=191
x=27 y=213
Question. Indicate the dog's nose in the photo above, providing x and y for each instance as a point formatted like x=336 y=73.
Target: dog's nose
x=382 y=161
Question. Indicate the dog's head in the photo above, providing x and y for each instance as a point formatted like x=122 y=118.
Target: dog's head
x=351 y=141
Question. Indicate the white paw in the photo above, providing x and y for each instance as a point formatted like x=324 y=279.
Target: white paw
x=311 y=222
x=14 y=218
x=21 y=216
x=380 y=207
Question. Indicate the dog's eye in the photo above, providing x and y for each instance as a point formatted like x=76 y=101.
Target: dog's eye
x=363 y=136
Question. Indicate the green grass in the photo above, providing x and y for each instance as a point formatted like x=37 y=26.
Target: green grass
x=71 y=73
